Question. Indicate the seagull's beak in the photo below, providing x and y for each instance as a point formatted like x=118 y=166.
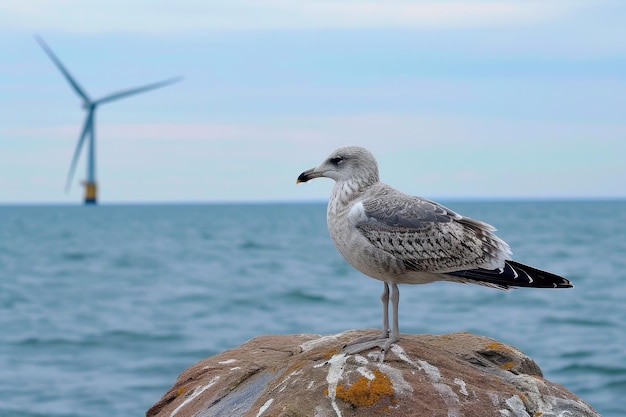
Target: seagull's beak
x=309 y=174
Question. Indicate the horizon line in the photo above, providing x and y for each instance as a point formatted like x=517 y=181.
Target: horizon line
x=537 y=199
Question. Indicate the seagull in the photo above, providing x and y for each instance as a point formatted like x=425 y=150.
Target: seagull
x=402 y=239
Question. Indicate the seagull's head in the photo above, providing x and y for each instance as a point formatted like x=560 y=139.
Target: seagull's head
x=350 y=163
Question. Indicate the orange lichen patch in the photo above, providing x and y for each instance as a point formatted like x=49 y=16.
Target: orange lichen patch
x=294 y=368
x=498 y=346
x=330 y=353
x=365 y=392
x=538 y=413
x=507 y=366
x=181 y=390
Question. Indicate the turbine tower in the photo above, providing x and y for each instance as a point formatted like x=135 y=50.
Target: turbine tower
x=91 y=192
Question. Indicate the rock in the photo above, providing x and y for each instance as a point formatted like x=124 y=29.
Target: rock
x=459 y=374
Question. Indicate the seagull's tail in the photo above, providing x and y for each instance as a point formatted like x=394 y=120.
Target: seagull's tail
x=514 y=274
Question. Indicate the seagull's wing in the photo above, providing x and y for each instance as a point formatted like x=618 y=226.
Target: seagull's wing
x=402 y=211
x=429 y=237
x=425 y=235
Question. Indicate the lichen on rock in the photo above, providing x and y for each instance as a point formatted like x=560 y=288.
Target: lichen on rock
x=365 y=392
x=458 y=374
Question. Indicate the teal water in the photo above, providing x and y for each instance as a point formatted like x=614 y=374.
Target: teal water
x=102 y=307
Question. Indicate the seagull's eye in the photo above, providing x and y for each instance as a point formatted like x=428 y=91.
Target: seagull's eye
x=336 y=160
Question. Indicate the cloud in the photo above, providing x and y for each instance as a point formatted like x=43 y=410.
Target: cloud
x=192 y=16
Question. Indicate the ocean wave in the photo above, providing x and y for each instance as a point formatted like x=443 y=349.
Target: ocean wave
x=78 y=256
x=95 y=339
x=56 y=342
x=255 y=245
x=620 y=384
x=300 y=295
x=587 y=368
x=577 y=321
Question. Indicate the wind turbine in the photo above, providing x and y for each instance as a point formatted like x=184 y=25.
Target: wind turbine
x=89 y=126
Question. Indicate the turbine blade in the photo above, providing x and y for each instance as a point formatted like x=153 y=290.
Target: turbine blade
x=125 y=93
x=81 y=140
x=64 y=71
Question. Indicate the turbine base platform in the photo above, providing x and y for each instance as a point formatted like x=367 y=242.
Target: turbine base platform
x=91 y=193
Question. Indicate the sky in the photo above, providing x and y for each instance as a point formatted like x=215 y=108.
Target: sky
x=467 y=99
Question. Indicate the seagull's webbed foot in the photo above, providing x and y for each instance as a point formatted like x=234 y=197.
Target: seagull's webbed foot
x=367 y=340
x=383 y=342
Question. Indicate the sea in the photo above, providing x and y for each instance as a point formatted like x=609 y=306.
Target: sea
x=101 y=308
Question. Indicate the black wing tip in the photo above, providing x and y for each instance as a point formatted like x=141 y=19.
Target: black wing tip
x=561 y=282
x=515 y=274
x=539 y=278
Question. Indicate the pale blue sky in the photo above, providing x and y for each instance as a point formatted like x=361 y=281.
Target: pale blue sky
x=457 y=99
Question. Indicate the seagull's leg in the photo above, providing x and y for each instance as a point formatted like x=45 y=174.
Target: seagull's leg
x=384 y=297
x=368 y=342
x=395 y=329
